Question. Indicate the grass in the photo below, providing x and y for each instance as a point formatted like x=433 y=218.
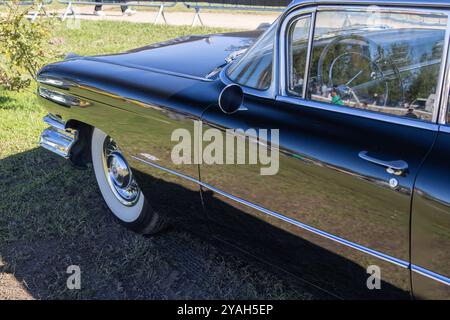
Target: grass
x=52 y=216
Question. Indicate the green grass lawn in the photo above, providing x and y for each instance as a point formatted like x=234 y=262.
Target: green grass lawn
x=52 y=215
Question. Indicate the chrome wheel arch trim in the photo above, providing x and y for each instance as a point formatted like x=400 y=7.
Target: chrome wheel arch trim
x=398 y=262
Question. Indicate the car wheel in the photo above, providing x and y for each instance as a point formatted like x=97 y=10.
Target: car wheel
x=119 y=188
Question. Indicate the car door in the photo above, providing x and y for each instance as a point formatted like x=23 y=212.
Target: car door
x=430 y=223
x=335 y=207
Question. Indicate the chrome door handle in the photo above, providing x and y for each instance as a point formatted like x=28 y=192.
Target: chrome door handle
x=396 y=167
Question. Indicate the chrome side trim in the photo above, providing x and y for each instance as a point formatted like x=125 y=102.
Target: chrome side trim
x=61 y=98
x=430 y=274
x=347 y=243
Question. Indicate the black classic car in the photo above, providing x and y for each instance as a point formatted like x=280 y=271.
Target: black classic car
x=320 y=145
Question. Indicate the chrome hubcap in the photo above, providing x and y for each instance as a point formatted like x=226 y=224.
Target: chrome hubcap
x=118 y=170
x=119 y=175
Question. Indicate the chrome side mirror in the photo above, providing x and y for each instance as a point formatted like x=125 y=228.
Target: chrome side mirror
x=231 y=98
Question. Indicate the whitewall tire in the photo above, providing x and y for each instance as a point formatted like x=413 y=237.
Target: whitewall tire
x=118 y=187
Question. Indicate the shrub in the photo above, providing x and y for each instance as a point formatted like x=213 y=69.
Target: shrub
x=23 y=48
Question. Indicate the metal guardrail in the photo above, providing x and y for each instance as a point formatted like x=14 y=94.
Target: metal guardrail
x=39 y=8
x=250 y=5
x=26 y=3
x=148 y=3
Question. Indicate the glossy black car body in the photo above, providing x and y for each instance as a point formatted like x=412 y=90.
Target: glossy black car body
x=328 y=214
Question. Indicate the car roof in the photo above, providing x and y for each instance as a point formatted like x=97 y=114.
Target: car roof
x=414 y=3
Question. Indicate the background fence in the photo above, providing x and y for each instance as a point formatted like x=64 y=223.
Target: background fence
x=241 y=3
x=39 y=8
x=255 y=5
x=29 y=3
x=148 y=3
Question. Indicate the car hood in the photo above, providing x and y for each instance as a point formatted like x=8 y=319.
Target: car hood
x=195 y=55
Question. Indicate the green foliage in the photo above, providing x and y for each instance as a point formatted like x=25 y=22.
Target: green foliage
x=23 y=46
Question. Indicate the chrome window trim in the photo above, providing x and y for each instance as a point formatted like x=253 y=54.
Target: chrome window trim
x=287 y=43
x=360 y=113
x=283 y=51
x=394 y=3
x=443 y=114
x=399 y=262
x=444 y=76
x=395 y=8
x=445 y=129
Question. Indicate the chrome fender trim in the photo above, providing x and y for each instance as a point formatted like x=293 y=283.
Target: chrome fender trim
x=377 y=254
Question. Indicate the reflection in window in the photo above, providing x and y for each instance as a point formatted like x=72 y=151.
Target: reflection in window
x=298 y=48
x=386 y=62
x=448 y=113
x=254 y=69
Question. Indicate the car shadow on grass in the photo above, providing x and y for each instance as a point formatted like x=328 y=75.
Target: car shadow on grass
x=52 y=216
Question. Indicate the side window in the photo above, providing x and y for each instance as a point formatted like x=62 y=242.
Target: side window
x=254 y=68
x=387 y=62
x=298 y=37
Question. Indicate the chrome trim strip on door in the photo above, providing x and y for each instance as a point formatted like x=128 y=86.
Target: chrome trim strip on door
x=430 y=274
x=374 y=253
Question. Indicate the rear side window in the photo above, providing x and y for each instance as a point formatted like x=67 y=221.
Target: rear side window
x=388 y=62
x=254 y=69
